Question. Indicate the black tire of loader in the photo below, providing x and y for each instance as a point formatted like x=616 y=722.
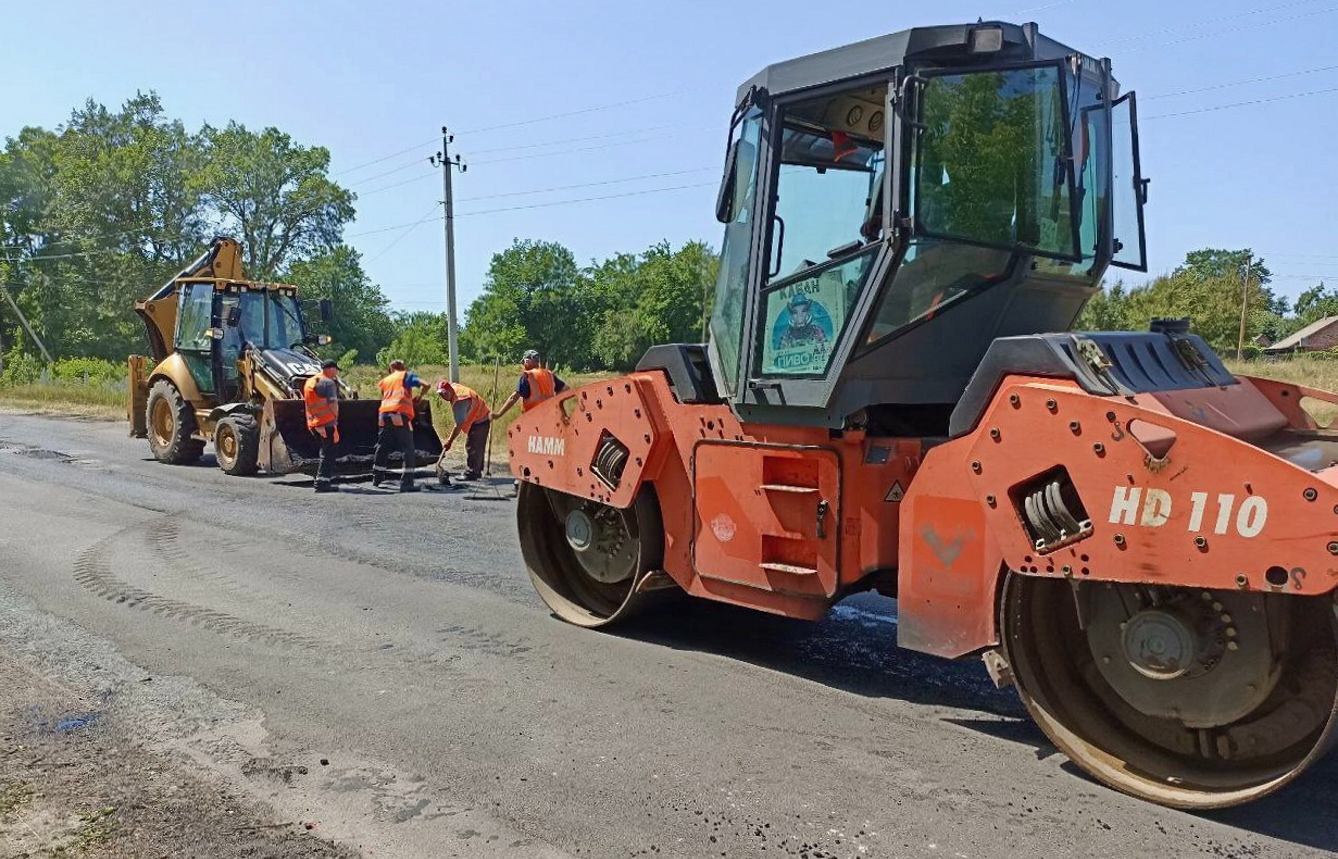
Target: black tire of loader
x=181 y=448
x=245 y=433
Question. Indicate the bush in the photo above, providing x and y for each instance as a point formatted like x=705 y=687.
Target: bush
x=92 y=371
x=20 y=369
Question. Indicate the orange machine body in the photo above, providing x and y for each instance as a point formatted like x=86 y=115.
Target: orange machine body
x=1229 y=487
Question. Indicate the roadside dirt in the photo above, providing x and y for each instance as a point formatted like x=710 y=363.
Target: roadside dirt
x=75 y=781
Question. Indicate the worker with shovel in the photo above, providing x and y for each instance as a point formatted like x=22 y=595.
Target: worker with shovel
x=536 y=384
x=321 y=397
x=396 y=418
x=472 y=420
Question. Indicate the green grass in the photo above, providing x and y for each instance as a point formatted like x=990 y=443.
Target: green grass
x=108 y=402
x=93 y=400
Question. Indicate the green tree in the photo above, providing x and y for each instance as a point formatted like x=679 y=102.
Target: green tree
x=361 y=311
x=274 y=194
x=657 y=297
x=534 y=297
x=420 y=340
x=1315 y=304
x=1108 y=310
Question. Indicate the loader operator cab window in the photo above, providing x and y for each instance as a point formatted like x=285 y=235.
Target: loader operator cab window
x=824 y=229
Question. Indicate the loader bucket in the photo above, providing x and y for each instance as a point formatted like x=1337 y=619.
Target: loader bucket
x=286 y=445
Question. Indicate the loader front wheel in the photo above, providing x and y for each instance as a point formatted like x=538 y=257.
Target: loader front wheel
x=1186 y=697
x=172 y=426
x=237 y=445
x=586 y=559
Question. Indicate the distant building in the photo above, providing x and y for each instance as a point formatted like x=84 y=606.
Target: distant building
x=1315 y=337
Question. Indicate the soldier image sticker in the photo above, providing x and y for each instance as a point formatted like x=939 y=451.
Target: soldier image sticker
x=895 y=494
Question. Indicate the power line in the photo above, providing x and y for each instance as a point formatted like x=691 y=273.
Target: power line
x=540 y=145
x=407 y=230
x=433 y=140
x=588 y=199
x=1202 y=36
x=1241 y=104
x=587 y=184
x=1208 y=22
x=1242 y=83
x=552 y=189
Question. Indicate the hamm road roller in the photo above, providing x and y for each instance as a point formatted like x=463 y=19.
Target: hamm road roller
x=891 y=398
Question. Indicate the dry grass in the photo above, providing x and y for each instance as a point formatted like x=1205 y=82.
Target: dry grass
x=109 y=403
x=1311 y=372
x=91 y=401
x=492 y=383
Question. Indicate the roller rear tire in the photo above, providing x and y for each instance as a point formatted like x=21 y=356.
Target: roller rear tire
x=1188 y=698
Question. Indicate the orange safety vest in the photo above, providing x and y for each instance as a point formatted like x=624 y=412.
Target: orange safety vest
x=543 y=384
x=477 y=412
x=320 y=411
x=395 y=397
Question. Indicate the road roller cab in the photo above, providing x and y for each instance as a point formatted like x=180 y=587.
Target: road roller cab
x=891 y=398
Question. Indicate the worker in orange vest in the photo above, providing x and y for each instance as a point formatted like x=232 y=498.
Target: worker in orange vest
x=536 y=385
x=396 y=419
x=321 y=397
x=472 y=419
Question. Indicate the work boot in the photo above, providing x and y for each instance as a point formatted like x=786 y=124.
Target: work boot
x=473 y=475
x=326 y=487
x=409 y=487
x=378 y=476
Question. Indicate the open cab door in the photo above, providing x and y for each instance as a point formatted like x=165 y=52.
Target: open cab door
x=1130 y=189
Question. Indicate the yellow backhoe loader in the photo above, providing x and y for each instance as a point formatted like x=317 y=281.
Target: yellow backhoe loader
x=229 y=359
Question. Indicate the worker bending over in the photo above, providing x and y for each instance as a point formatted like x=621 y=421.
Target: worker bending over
x=396 y=418
x=321 y=397
x=536 y=385
x=472 y=419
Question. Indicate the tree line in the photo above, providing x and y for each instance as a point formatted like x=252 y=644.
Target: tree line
x=1213 y=288
x=99 y=210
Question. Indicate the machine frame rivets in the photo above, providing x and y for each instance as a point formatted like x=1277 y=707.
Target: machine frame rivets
x=1310 y=494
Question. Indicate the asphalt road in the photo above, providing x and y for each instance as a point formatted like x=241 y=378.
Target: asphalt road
x=391 y=646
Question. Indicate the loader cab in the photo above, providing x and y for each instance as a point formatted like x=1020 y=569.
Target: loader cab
x=894 y=206
x=218 y=319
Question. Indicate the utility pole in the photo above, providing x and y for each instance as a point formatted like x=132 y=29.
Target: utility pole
x=23 y=320
x=1244 y=304
x=449 y=165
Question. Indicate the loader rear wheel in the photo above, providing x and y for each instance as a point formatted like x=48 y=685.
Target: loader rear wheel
x=172 y=426
x=587 y=559
x=237 y=445
x=1189 y=698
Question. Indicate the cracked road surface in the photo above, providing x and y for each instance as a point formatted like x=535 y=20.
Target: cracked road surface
x=379 y=664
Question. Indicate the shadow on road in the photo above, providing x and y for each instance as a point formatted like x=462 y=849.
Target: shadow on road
x=854 y=650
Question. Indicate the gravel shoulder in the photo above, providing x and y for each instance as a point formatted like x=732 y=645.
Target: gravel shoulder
x=77 y=779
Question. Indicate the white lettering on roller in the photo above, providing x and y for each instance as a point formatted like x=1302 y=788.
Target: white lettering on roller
x=1124 y=508
x=1200 y=502
x=1252 y=516
x=1156 y=508
x=546 y=445
x=1225 y=504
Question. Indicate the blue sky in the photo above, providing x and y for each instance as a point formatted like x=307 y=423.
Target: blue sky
x=369 y=80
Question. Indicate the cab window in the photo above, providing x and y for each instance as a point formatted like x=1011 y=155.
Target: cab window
x=824 y=230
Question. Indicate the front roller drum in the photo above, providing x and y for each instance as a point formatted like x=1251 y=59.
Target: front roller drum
x=1189 y=698
x=591 y=563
